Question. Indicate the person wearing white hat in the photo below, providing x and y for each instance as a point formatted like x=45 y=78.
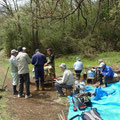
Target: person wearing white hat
x=78 y=66
x=14 y=70
x=23 y=61
x=66 y=81
x=24 y=49
x=106 y=72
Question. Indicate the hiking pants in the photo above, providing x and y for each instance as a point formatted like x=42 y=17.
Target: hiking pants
x=39 y=73
x=24 y=78
x=78 y=74
x=106 y=79
x=15 y=78
x=60 y=86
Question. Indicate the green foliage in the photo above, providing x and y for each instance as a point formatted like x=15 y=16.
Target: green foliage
x=69 y=35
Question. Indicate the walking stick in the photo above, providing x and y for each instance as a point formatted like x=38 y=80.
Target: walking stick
x=5 y=78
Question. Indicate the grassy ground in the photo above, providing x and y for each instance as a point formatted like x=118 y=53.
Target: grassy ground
x=3 y=102
x=110 y=58
x=3 y=105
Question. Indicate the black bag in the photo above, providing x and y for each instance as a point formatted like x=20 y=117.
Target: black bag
x=91 y=115
x=82 y=99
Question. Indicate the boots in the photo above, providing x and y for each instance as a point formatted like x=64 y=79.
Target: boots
x=15 y=92
x=42 y=86
x=37 y=86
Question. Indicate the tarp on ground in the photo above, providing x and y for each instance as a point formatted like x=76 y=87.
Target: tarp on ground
x=107 y=102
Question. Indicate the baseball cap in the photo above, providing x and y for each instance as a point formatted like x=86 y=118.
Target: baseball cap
x=78 y=58
x=24 y=48
x=63 y=65
x=102 y=64
x=19 y=48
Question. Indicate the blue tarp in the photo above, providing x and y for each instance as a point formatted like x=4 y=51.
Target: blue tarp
x=107 y=102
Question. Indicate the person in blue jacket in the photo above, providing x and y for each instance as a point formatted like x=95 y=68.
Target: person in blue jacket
x=106 y=72
x=38 y=60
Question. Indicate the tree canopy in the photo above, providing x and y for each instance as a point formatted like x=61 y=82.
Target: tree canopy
x=67 y=26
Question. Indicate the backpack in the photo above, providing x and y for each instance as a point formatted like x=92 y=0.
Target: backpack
x=82 y=101
x=91 y=115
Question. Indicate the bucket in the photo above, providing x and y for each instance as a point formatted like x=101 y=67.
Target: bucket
x=91 y=74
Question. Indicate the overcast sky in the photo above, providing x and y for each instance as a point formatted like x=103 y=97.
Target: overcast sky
x=20 y=2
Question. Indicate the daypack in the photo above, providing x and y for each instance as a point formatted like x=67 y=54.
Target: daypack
x=82 y=100
x=91 y=115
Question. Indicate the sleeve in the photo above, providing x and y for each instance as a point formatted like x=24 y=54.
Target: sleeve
x=28 y=59
x=82 y=65
x=14 y=61
x=45 y=60
x=74 y=66
x=51 y=59
x=64 y=79
x=33 y=60
x=106 y=72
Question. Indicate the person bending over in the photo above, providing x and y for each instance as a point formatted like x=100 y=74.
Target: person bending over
x=106 y=72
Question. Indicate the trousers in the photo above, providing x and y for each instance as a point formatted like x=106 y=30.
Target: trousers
x=39 y=75
x=24 y=78
x=15 y=78
x=60 y=86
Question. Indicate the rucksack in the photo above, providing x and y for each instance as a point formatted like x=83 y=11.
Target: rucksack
x=82 y=100
x=91 y=115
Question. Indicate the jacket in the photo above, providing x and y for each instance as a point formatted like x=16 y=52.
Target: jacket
x=107 y=71
x=13 y=64
x=22 y=62
x=67 y=78
x=38 y=59
x=78 y=65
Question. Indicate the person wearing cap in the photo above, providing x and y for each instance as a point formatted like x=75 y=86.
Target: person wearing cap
x=100 y=61
x=23 y=60
x=14 y=70
x=106 y=72
x=38 y=60
x=51 y=61
x=66 y=81
x=24 y=49
x=78 y=66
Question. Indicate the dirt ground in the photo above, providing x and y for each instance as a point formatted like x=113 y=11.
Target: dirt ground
x=40 y=107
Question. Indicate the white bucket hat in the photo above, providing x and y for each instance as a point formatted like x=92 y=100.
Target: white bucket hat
x=13 y=51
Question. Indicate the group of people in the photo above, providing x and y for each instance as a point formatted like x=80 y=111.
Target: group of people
x=19 y=64
x=20 y=60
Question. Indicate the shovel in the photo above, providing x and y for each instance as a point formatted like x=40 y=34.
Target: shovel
x=4 y=87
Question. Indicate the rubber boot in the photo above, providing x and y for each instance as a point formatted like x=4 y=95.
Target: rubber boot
x=15 y=92
x=37 y=86
x=42 y=86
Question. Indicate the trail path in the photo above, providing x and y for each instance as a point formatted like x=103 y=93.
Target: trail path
x=39 y=107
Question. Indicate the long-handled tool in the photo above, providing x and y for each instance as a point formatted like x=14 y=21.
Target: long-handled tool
x=74 y=109
x=63 y=114
x=3 y=87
